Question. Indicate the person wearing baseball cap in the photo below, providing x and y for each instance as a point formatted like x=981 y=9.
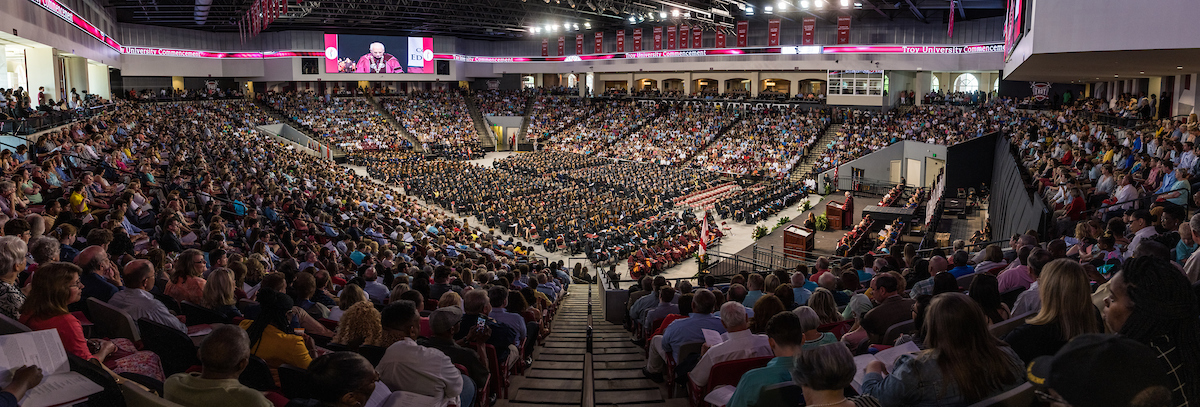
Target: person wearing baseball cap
x=1095 y=370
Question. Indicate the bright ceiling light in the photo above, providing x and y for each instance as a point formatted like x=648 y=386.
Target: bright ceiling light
x=782 y=5
x=675 y=13
x=632 y=20
x=859 y=5
x=566 y=26
x=547 y=28
x=845 y=3
x=687 y=14
x=662 y=14
x=768 y=10
x=804 y=4
x=587 y=25
x=577 y=26
x=749 y=11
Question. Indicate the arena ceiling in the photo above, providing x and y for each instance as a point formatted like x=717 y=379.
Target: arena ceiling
x=512 y=19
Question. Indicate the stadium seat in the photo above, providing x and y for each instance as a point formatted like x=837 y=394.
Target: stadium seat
x=174 y=348
x=1002 y=328
x=198 y=315
x=294 y=382
x=11 y=326
x=724 y=373
x=1021 y=396
x=112 y=322
x=258 y=375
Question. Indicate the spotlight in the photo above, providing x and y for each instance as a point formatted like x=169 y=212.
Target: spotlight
x=804 y=4
x=782 y=5
x=587 y=25
x=547 y=27
x=749 y=11
x=1116 y=76
x=687 y=14
x=768 y=10
x=1143 y=72
x=662 y=14
x=632 y=20
x=566 y=26
x=845 y=3
x=819 y=3
x=1179 y=67
x=675 y=13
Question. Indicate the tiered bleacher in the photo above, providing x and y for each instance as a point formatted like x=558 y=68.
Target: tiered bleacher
x=439 y=120
x=350 y=123
x=766 y=143
x=682 y=131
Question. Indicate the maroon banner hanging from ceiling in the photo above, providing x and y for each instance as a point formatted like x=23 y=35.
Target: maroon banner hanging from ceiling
x=599 y=42
x=620 y=40
x=843 y=29
x=696 y=39
x=562 y=42
x=810 y=27
x=545 y=47
x=671 y=36
x=773 y=33
x=637 y=40
x=578 y=44
x=658 y=39
x=742 y=28
x=683 y=36
x=720 y=41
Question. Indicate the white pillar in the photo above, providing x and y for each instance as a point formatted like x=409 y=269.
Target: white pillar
x=43 y=70
x=4 y=83
x=921 y=85
x=98 y=82
x=77 y=75
x=755 y=84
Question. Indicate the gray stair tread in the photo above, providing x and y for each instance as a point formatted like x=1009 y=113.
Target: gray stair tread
x=549 y=396
x=627 y=396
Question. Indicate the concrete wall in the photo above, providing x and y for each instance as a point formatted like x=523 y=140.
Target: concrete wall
x=877 y=165
x=29 y=21
x=1061 y=26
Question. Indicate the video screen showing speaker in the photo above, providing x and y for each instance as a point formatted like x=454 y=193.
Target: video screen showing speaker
x=378 y=54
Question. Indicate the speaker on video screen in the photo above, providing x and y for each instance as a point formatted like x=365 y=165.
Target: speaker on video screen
x=443 y=67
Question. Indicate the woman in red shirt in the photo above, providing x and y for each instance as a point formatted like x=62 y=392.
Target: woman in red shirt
x=54 y=286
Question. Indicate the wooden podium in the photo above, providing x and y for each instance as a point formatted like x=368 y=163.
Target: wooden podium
x=798 y=242
x=833 y=211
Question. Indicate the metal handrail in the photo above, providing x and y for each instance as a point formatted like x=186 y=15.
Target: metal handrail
x=987 y=243
x=1140 y=198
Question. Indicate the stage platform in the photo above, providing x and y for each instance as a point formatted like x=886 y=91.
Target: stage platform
x=826 y=241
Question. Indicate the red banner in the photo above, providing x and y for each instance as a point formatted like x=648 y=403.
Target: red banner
x=950 y=31
x=810 y=27
x=562 y=41
x=620 y=40
x=599 y=42
x=658 y=40
x=696 y=38
x=773 y=33
x=545 y=47
x=683 y=36
x=720 y=41
x=637 y=40
x=578 y=44
x=843 y=29
x=671 y=36
x=742 y=28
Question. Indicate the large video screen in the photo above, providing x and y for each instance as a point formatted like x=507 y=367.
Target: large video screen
x=378 y=54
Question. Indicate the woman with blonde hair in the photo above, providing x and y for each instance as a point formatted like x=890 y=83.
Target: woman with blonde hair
x=219 y=293
x=352 y=294
x=450 y=299
x=823 y=303
x=993 y=260
x=359 y=325
x=1066 y=312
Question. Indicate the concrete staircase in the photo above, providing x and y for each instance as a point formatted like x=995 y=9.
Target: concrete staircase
x=802 y=170
x=521 y=139
x=391 y=119
x=487 y=140
x=560 y=372
x=285 y=119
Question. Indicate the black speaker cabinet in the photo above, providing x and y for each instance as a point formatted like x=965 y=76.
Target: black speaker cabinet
x=443 y=67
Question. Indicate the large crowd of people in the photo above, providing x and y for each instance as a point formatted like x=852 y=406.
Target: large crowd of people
x=502 y=102
x=350 y=123
x=552 y=113
x=438 y=120
x=766 y=143
x=864 y=132
x=675 y=136
x=611 y=121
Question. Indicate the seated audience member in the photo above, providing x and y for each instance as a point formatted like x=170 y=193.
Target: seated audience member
x=1066 y=312
x=802 y=288
x=272 y=336
x=754 y=285
x=809 y=322
x=186 y=283
x=785 y=333
x=352 y=294
x=53 y=288
x=376 y=290
x=136 y=301
x=1085 y=373
x=823 y=375
x=342 y=379
x=476 y=307
x=444 y=322
x=23 y=378
x=741 y=343
x=985 y=292
x=683 y=331
x=1150 y=302
x=498 y=298
x=829 y=282
x=993 y=260
x=219 y=294
x=224 y=354
x=963 y=362
x=359 y=326
x=665 y=307
x=824 y=305
x=12 y=263
x=685 y=308
x=766 y=307
x=1031 y=300
x=98 y=276
x=961 y=268
x=891 y=308
x=408 y=366
x=1017 y=276
x=919 y=314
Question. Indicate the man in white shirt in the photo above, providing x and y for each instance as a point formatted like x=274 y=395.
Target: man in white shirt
x=375 y=290
x=1141 y=224
x=739 y=343
x=407 y=366
x=139 y=303
x=1126 y=192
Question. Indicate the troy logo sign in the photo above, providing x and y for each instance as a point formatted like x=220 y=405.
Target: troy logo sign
x=1041 y=90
